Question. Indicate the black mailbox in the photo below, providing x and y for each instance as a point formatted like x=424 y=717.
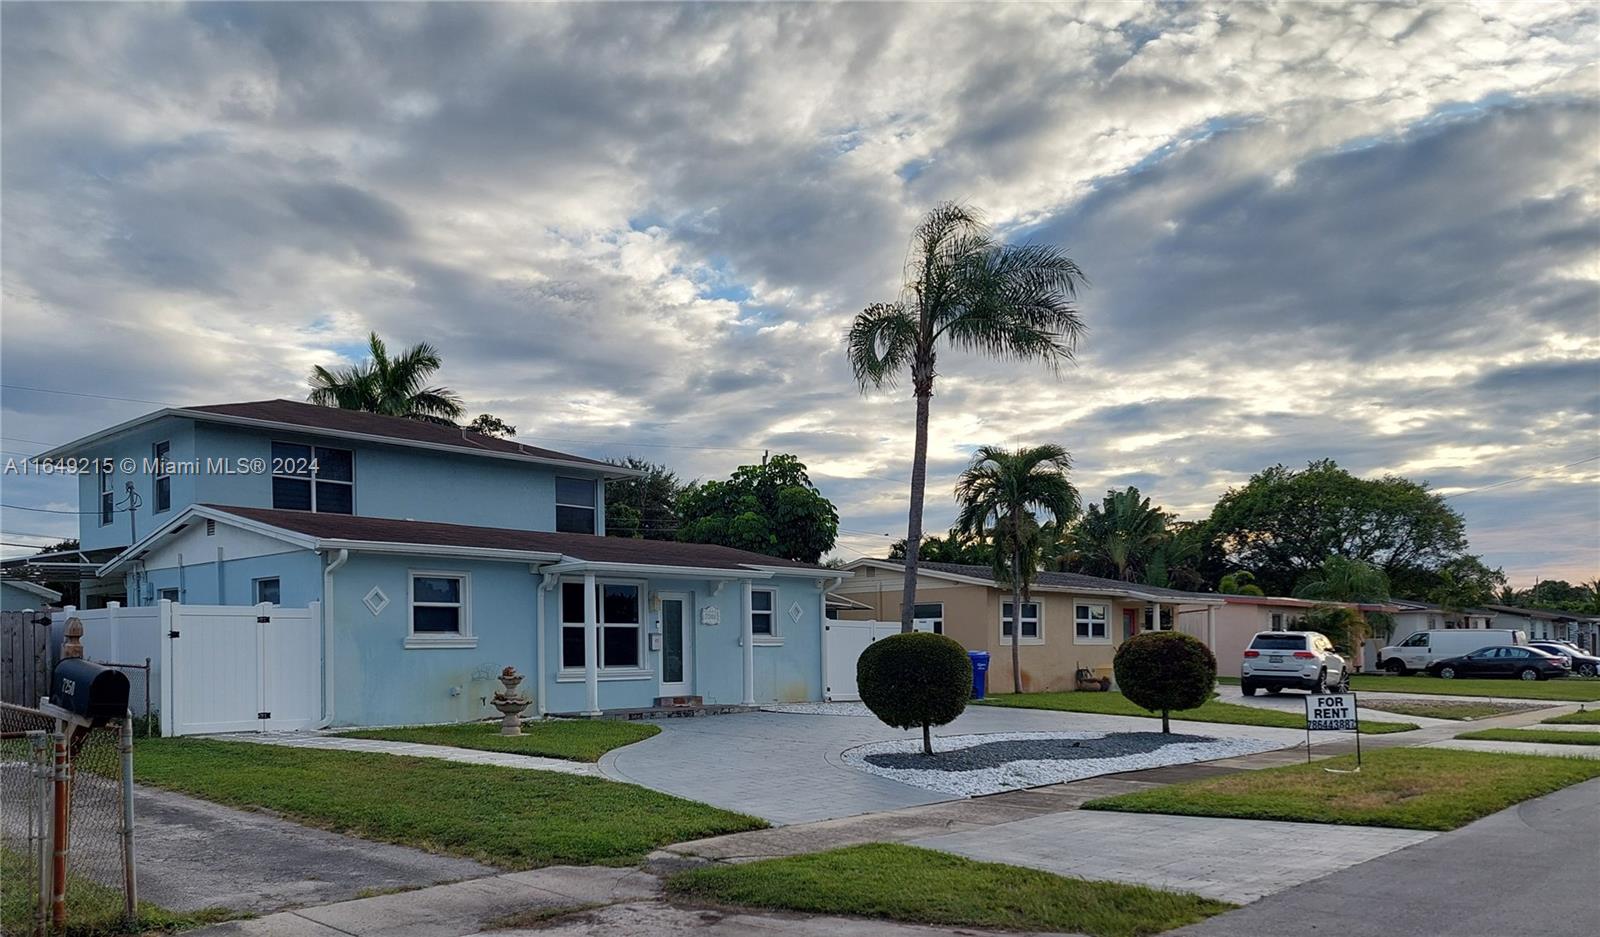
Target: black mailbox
x=89 y=690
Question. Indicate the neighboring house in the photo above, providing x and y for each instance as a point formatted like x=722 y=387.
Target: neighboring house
x=1244 y=615
x=19 y=594
x=436 y=557
x=1545 y=624
x=1411 y=616
x=1070 y=622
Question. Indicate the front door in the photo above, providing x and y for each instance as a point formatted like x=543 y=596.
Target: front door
x=677 y=645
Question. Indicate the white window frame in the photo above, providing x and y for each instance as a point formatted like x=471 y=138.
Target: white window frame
x=108 y=495
x=436 y=639
x=640 y=672
x=162 y=464
x=176 y=596
x=313 y=478
x=773 y=637
x=593 y=507
x=255 y=589
x=939 y=618
x=1105 y=623
x=1022 y=619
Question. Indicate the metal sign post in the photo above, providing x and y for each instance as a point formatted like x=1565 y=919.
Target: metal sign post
x=1333 y=712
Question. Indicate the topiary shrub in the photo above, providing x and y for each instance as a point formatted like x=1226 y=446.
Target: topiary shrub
x=916 y=679
x=1165 y=670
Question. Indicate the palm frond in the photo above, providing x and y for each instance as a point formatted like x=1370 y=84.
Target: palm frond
x=882 y=341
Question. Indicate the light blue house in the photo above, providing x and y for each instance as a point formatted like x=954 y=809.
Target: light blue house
x=20 y=594
x=437 y=557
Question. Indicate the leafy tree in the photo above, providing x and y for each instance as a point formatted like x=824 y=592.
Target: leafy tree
x=490 y=425
x=1241 y=582
x=64 y=583
x=1340 y=579
x=916 y=679
x=964 y=290
x=392 y=386
x=1118 y=537
x=770 y=508
x=644 y=508
x=998 y=493
x=1341 y=624
x=1284 y=523
x=954 y=547
x=1165 y=670
x=1465 y=583
x=1176 y=561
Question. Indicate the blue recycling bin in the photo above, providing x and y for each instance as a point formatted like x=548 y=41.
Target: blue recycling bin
x=980 y=673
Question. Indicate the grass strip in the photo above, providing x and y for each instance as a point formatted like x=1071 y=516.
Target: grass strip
x=571 y=739
x=1568 y=689
x=93 y=909
x=1115 y=704
x=1464 y=710
x=1545 y=736
x=1583 y=717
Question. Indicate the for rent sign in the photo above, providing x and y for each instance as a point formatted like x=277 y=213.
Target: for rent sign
x=1331 y=712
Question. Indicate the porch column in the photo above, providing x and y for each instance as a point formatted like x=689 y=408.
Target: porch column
x=747 y=637
x=591 y=647
x=1211 y=628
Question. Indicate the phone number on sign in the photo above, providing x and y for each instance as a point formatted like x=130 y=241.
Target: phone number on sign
x=151 y=466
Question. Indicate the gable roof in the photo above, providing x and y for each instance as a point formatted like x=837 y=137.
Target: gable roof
x=298 y=416
x=49 y=595
x=1289 y=602
x=345 y=531
x=1414 y=605
x=1542 y=614
x=1049 y=581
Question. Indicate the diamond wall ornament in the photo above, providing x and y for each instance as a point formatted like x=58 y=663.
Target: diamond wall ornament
x=795 y=611
x=376 y=601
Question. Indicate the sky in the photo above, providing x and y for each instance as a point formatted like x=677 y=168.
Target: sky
x=1368 y=233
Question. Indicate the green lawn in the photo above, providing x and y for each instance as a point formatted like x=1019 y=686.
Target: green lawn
x=1412 y=788
x=904 y=883
x=572 y=739
x=1548 y=736
x=1573 y=689
x=1446 y=709
x=1583 y=717
x=507 y=817
x=1115 y=704
x=92 y=908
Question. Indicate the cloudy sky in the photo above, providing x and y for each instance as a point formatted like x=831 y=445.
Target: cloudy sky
x=1370 y=233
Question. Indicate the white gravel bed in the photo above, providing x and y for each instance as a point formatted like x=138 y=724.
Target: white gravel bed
x=1016 y=775
x=819 y=709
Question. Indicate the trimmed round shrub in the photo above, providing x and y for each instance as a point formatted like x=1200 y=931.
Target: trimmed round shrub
x=1165 y=670
x=916 y=679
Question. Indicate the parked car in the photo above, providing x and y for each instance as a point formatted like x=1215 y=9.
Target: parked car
x=1303 y=660
x=1581 y=662
x=1420 y=650
x=1524 y=663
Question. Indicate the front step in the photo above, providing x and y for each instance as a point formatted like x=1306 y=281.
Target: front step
x=667 y=702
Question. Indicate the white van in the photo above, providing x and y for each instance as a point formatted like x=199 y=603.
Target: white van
x=1422 y=648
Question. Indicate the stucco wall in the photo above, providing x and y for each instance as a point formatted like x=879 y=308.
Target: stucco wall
x=13 y=599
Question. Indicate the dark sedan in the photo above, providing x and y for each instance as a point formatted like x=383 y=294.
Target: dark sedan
x=1582 y=663
x=1519 y=661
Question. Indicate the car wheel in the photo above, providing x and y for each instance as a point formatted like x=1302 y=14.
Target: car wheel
x=1528 y=673
x=1396 y=667
x=1587 y=670
x=1321 y=686
x=1248 y=689
x=1448 y=673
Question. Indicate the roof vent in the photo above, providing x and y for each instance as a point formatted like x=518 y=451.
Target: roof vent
x=211 y=527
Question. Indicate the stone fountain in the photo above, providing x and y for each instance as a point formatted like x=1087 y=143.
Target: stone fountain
x=510 y=703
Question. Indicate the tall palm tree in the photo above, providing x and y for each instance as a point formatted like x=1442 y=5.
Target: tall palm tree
x=965 y=290
x=998 y=493
x=1117 y=537
x=391 y=386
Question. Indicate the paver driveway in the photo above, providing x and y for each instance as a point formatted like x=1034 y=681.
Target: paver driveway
x=784 y=767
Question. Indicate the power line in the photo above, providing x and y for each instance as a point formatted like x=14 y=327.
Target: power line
x=75 y=393
x=1522 y=478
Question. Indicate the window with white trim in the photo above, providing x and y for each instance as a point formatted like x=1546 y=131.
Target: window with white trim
x=108 y=498
x=763 y=612
x=161 y=489
x=267 y=590
x=319 y=479
x=575 y=505
x=930 y=613
x=619 y=614
x=1030 y=620
x=1090 y=623
x=171 y=595
x=440 y=608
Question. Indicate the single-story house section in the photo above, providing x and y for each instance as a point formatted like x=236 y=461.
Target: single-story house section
x=1411 y=616
x=19 y=594
x=1545 y=624
x=1244 y=615
x=1070 y=622
x=419 y=618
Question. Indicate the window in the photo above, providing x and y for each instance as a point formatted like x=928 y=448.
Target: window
x=108 y=499
x=1274 y=642
x=617 y=606
x=1089 y=623
x=575 y=505
x=313 y=478
x=171 y=595
x=1030 y=620
x=1420 y=639
x=266 y=591
x=162 y=494
x=930 y=614
x=762 y=619
x=1277 y=621
x=440 y=610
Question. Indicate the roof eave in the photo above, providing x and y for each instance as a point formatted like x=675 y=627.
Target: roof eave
x=576 y=565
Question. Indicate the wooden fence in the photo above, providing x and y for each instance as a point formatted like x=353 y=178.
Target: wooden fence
x=24 y=657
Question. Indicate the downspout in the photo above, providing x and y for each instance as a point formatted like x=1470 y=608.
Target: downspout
x=339 y=559
x=183 y=592
x=546 y=580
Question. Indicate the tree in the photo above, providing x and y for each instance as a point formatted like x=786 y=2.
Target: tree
x=1241 y=582
x=965 y=290
x=1340 y=579
x=1165 y=670
x=917 y=679
x=998 y=494
x=1465 y=583
x=65 y=583
x=1283 y=523
x=954 y=547
x=770 y=508
x=1117 y=538
x=1341 y=624
x=644 y=508
x=391 y=386
x=490 y=425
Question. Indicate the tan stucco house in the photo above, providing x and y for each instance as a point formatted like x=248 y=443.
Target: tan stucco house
x=1070 y=622
x=1244 y=615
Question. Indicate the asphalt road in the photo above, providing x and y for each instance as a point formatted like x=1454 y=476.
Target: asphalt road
x=1527 y=870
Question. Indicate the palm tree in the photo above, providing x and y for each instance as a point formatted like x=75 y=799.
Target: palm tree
x=1117 y=537
x=965 y=290
x=1341 y=579
x=391 y=386
x=998 y=493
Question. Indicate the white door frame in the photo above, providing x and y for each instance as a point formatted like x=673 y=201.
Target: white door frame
x=684 y=687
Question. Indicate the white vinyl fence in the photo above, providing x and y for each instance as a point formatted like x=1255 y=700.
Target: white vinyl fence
x=842 y=644
x=216 y=668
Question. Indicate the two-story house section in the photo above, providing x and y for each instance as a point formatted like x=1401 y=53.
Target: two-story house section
x=437 y=556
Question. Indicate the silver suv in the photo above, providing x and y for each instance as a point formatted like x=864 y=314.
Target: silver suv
x=1304 y=660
